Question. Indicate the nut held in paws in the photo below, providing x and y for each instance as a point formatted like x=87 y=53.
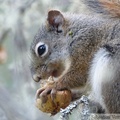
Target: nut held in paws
x=62 y=100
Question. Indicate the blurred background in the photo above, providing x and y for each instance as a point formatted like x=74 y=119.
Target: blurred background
x=19 y=22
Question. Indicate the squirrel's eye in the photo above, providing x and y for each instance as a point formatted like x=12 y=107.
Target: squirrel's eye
x=41 y=49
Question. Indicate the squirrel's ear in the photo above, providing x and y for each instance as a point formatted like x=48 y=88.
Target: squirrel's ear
x=55 y=21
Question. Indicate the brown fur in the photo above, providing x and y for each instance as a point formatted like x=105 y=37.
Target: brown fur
x=113 y=6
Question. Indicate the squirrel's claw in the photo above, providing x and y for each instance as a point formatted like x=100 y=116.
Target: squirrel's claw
x=43 y=92
x=53 y=93
x=39 y=91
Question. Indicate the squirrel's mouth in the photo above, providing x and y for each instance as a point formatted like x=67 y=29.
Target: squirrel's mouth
x=55 y=73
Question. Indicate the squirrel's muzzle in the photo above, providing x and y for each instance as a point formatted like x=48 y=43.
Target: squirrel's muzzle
x=36 y=78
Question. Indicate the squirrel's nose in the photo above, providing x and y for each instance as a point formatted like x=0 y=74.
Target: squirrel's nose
x=36 y=78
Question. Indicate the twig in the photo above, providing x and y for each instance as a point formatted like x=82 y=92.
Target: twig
x=65 y=113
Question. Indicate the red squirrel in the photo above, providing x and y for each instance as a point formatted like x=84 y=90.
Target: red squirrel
x=77 y=49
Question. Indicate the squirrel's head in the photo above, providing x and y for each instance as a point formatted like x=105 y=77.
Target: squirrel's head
x=49 y=51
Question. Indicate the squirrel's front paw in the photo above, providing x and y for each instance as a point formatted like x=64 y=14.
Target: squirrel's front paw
x=42 y=93
x=48 y=88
